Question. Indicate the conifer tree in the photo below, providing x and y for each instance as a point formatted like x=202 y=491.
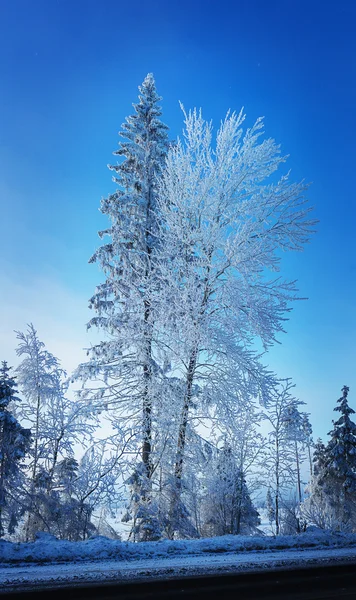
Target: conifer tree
x=340 y=465
x=125 y=302
x=332 y=500
x=14 y=445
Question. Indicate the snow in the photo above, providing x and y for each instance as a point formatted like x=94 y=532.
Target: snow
x=47 y=548
x=123 y=570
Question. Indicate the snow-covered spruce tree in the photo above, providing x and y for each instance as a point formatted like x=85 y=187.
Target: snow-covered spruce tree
x=14 y=446
x=125 y=301
x=339 y=477
x=223 y=226
x=229 y=509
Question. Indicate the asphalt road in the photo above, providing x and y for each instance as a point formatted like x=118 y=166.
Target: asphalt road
x=317 y=583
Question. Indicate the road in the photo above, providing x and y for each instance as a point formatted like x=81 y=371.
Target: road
x=313 y=583
x=280 y=574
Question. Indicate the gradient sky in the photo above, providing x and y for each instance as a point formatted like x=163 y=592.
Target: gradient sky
x=69 y=71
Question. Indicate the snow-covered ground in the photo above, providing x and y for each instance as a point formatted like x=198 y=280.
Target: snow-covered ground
x=52 y=562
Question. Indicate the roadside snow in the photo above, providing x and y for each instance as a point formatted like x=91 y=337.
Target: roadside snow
x=47 y=549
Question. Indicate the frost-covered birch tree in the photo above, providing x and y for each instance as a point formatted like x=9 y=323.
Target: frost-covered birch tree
x=39 y=377
x=124 y=364
x=56 y=422
x=223 y=227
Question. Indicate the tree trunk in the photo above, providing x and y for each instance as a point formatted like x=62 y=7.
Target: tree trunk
x=35 y=463
x=310 y=461
x=54 y=463
x=147 y=401
x=277 y=487
x=178 y=469
x=298 y=472
x=147 y=368
x=2 y=474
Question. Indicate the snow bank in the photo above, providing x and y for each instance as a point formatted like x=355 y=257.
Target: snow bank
x=47 y=549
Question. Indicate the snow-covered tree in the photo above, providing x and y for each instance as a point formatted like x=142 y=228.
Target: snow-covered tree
x=339 y=476
x=271 y=508
x=294 y=422
x=39 y=376
x=124 y=302
x=125 y=361
x=14 y=446
x=331 y=503
x=98 y=479
x=57 y=424
x=229 y=509
x=308 y=440
x=64 y=424
x=315 y=508
x=237 y=423
x=280 y=465
x=145 y=516
x=223 y=225
x=292 y=520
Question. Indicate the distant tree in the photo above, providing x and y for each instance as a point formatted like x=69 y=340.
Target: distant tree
x=14 y=447
x=237 y=423
x=57 y=424
x=308 y=440
x=271 y=508
x=339 y=476
x=319 y=457
x=39 y=376
x=315 y=508
x=292 y=521
x=229 y=507
x=280 y=451
x=332 y=496
x=294 y=423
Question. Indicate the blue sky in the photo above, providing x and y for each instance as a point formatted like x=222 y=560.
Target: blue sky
x=69 y=73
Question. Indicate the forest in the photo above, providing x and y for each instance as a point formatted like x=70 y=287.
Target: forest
x=174 y=421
